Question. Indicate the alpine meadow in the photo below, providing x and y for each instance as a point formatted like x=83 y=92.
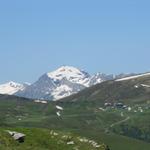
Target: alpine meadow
x=75 y=75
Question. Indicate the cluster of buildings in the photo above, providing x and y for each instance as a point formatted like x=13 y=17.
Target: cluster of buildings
x=116 y=105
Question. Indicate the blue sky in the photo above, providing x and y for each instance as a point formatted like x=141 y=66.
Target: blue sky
x=37 y=36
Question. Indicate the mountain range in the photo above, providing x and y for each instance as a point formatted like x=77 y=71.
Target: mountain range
x=114 y=112
x=63 y=82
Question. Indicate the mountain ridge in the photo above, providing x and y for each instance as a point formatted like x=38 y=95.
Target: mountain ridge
x=60 y=83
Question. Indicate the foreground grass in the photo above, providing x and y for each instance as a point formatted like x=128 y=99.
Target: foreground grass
x=44 y=139
x=81 y=118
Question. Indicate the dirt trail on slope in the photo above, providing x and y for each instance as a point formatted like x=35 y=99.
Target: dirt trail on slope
x=119 y=122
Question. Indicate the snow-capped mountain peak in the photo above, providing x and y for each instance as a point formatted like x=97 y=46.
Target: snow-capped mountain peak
x=70 y=73
x=60 y=83
x=11 y=87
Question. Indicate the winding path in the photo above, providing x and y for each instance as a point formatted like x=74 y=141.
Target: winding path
x=119 y=122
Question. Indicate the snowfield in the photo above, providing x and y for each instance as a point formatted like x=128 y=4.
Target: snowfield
x=10 y=88
x=133 y=77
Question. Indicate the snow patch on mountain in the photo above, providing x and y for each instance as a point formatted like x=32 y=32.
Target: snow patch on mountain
x=145 y=85
x=133 y=77
x=61 y=92
x=100 y=77
x=11 y=88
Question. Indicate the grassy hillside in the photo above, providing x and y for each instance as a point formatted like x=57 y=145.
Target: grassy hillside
x=84 y=119
x=44 y=139
x=129 y=92
x=85 y=114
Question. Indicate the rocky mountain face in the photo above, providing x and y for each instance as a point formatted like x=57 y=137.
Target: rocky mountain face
x=58 y=84
x=62 y=82
x=100 y=77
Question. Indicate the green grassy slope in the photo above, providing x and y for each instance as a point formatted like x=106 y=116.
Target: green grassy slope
x=119 y=128
x=44 y=139
x=81 y=118
x=112 y=91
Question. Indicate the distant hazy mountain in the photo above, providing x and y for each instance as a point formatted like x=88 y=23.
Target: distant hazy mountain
x=100 y=77
x=11 y=88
